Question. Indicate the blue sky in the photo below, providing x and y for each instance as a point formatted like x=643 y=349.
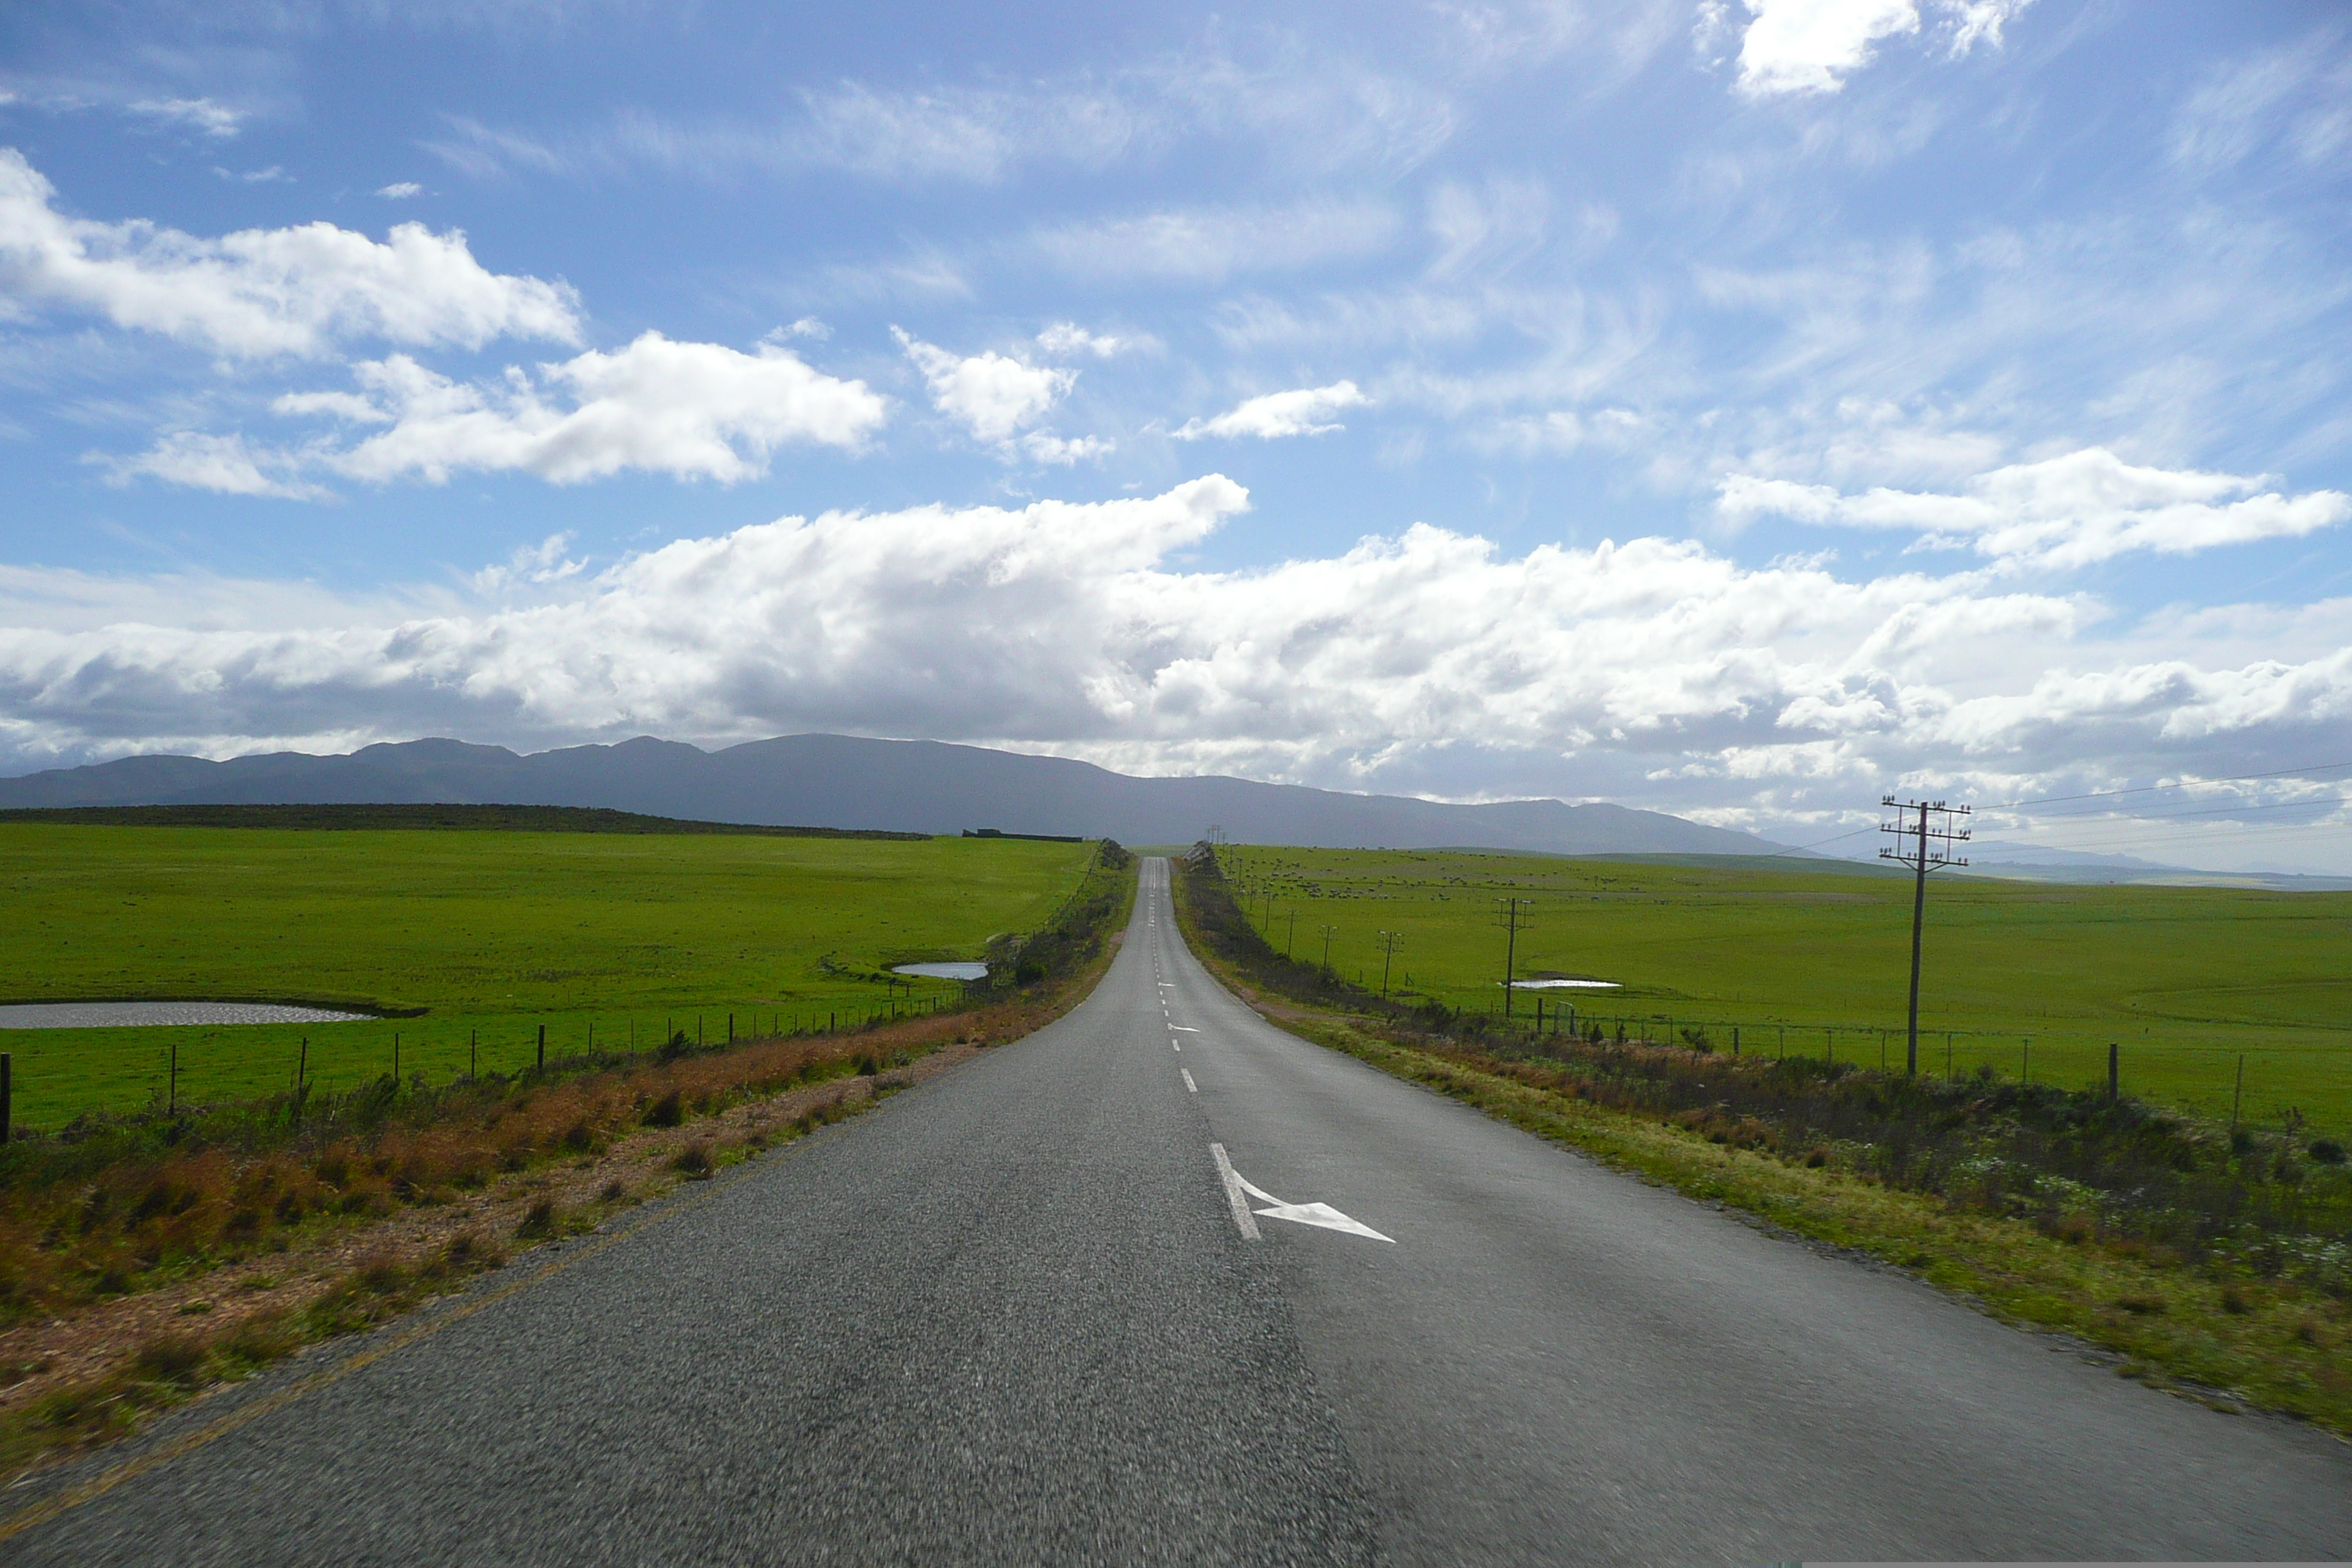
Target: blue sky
x=1745 y=409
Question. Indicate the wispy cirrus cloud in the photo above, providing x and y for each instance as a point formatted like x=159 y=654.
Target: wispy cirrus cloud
x=984 y=131
x=200 y=114
x=1210 y=244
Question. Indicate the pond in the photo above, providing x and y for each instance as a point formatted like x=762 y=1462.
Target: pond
x=943 y=971
x=1568 y=985
x=132 y=1014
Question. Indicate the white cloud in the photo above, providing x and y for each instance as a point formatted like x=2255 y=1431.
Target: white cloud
x=401 y=189
x=2086 y=507
x=1486 y=230
x=1067 y=339
x=221 y=464
x=1208 y=245
x=1813 y=46
x=1042 y=447
x=690 y=410
x=274 y=175
x=196 y=113
x=1652 y=668
x=990 y=395
x=1304 y=412
x=536 y=565
x=261 y=292
x=2293 y=99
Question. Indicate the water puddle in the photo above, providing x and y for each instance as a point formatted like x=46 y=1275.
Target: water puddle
x=943 y=971
x=135 y=1014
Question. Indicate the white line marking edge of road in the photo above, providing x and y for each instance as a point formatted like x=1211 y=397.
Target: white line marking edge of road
x=1232 y=1184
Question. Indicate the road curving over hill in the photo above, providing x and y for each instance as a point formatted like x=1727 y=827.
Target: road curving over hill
x=1162 y=1282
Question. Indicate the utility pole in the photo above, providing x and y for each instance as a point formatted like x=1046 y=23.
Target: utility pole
x=1329 y=933
x=1511 y=919
x=1922 y=848
x=1389 y=941
x=1290 y=938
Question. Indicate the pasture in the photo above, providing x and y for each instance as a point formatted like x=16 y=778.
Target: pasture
x=2019 y=976
x=481 y=937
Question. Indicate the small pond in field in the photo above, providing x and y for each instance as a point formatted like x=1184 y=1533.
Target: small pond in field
x=943 y=971
x=134 y=1015
x=1568 y=985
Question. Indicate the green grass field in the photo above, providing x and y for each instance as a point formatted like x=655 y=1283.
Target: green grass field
x=2183 y=979
x=490 y=934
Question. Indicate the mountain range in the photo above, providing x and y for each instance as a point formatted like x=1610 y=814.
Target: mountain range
x=841 y=780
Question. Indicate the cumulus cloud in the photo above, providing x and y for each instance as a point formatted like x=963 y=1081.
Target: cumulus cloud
x=2075 y=510
x=401 y=189
x=1304 y=412
x=690 y=410
x=993 y=395
x=264 y=292
x=1813 y=46
x=1654 y=667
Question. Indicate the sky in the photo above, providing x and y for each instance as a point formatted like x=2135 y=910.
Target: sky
x=1741 y=408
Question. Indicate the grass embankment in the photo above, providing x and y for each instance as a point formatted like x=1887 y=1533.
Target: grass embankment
x=2205 y=1260
x=1816 y=963
x=147 y=1257
x=607 y=939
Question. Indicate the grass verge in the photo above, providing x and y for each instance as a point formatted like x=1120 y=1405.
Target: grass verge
x=2249 y=1320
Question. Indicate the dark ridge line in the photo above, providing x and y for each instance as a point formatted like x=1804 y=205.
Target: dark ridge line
x=405 y=814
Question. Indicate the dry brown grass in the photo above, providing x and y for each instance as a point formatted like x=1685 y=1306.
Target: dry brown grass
x=140 y=1288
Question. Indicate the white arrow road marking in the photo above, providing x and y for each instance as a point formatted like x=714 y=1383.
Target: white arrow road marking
x=1320 y=1214
x=1188 y=1080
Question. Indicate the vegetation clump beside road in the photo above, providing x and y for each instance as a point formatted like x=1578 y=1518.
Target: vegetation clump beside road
x=2214 y=1260
x=144 y=1256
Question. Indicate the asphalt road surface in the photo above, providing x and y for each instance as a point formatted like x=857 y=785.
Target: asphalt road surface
x=1161 y=1283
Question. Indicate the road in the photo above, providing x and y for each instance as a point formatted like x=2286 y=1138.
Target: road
x=1013 y=1316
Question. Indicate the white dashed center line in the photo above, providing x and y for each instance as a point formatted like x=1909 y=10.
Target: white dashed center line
x=1188 y=1080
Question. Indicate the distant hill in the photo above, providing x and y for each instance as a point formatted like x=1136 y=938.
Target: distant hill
x=839 y=780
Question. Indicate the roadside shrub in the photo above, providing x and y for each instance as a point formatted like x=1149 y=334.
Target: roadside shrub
x=173 y=1358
